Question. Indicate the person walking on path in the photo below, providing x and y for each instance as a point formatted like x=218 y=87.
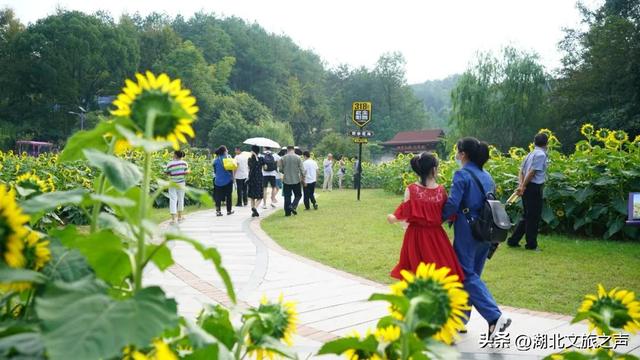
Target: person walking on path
x=327 y=164
x=223 y=182
x=269 y=175
x=342 y=171
x=311 y=176
x=425 y=241
x=255 y=182
x=241 y=174
x=464 y=203
x=530 y=186
x=177 y=170
x=291 y=167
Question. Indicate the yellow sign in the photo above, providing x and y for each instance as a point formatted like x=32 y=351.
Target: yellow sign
x=360 y=140
x=361 y=113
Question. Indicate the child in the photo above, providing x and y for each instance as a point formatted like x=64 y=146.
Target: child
x=177 y=169
x=424 y=240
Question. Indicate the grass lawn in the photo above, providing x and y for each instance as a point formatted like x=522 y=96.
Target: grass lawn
x=355 y=237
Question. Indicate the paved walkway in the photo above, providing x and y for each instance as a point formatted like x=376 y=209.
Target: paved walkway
x=331 y=303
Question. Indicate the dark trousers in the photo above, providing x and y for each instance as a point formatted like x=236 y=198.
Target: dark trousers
x=528 y=225
x=242 y=192
x=223 y=193
x=309 y=196
x=288 y=189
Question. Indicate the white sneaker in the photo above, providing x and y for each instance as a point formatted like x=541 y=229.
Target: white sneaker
x=501 y=325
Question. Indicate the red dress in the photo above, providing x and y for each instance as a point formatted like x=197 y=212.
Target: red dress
x=425 y=240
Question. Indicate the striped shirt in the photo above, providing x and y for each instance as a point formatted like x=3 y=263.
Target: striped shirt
x=177 y=171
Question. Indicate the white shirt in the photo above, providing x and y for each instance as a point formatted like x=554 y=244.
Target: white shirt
x=328 y=166
x=310 y=171
x=276 y=157
x=242 y=172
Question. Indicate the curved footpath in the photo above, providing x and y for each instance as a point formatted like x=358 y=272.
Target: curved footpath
x=330 y=302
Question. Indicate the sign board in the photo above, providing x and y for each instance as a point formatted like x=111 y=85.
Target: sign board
x=361 y=133
x=360 y=140
x=361 y=111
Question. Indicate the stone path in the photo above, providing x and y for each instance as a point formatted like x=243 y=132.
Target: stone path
x=331 y=303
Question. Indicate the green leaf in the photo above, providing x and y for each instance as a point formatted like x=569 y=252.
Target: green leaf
x=614 y=226
x=215 y=321
x=23 y=345
x=160 y=256
x=580 y=222
x=104 y=251
x=112 y=200
x=201 y=339
x=82 y=140
x=149 y=146
x=547 y=214
x=438 y=350
x=52 y=200
x=582 y=194
x=80 y=321
x=122 y=174
x=620 y=204
x=11 y=275
x=339 y=346
x=205 y=353
x=66 y=264
x=208 y=254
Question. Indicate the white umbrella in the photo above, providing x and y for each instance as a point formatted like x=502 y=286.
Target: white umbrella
x=264 y=142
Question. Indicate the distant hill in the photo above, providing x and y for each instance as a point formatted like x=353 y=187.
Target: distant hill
x=436 y=97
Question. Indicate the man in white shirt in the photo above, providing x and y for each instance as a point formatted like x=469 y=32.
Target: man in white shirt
x=311 y=176
x=327 y=164
x=241 y=174
x=269 y=175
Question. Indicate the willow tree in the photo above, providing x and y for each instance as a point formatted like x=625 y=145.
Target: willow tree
x=502 y=101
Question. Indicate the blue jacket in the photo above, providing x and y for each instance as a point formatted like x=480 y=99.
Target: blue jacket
x=222 y=177
x=465 y=193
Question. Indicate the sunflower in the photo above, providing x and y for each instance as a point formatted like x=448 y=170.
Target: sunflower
x=553 y=141
x=517 y=153
x=617 y=309
x=161 y=351
x=560 y=213
x=174 y=107
x=583 y=147
x=388 y=334
x=547 y=132
x=37 y=251
x=587 y=130
x=636 y=141
x=444 y=288
x=611 y=142
x=602 y=134
x=31 y=181
x=494 y=153
x=277 y=320
x=12 y=229
x=357 y=354
x=620 y=136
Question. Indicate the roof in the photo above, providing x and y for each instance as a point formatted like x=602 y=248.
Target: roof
x=33 y=142
x=416 y=137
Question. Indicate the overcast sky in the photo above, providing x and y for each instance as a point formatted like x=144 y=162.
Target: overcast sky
x=437 y=37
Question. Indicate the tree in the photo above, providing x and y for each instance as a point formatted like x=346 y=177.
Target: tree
x=502 y=101
x=339 y=145
x=600 y=78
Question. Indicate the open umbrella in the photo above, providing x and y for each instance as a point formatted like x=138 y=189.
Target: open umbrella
x=264 y=142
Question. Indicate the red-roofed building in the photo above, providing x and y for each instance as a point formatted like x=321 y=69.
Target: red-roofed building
x=415 y=141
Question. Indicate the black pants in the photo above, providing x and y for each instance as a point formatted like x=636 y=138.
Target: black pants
x=297 y=191
x=242 y=192
x=528 y=225
x=309 y=191
x=221 y=193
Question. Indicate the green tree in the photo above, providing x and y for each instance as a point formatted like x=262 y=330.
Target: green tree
x=502 y=101
x=339 y=145
x=231 y=129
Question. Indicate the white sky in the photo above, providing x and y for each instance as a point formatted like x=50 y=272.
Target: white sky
x=437 y=37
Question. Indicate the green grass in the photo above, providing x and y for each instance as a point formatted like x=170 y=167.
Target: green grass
x=355 y=237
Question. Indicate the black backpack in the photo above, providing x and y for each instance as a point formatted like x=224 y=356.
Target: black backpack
x=269 y=162
x=493 y=223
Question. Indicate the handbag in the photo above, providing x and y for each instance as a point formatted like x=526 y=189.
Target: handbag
x=230 y=164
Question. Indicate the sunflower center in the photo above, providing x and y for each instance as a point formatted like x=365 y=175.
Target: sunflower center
x=274 y=321
x=162 y=104
x=617 y=312
x=439 y=310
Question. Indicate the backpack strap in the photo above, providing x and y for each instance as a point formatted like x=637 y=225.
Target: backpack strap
x=479 y=184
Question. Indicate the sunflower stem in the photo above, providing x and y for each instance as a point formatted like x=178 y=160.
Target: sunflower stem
x=144 y=194
x=102 y=182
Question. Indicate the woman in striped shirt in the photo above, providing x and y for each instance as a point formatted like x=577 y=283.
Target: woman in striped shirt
x=177 y=170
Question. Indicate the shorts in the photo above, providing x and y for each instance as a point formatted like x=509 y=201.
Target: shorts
x=279 y=183
x=269 y=180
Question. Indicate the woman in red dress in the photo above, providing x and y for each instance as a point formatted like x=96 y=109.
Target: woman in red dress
x=424 y=239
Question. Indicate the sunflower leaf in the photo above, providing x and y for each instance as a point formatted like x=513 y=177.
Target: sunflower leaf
x=139 y=142
x=122 y=174
x=11 y=275
x=201 y=339
x=339 y=346
x=87 y=139
x=50 y=201
x=80 y=321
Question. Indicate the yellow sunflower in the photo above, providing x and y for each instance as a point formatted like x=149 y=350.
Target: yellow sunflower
x=161 y=351
x=494 y=153
x=12 y=229
x=353 y=354
x=517 y=153
x=560 y=213
x=587 y=130
x=283 y=320
x=547 y=132
x=620 y=136
x=33 y=182
x=636 y=141
x=602 y=134
x=583 y=147
x=553 y=141
x=611 y=142
x=174 y=107
x=616 y=309
x=388 y=334
x=445 y=288
x=37 y=251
